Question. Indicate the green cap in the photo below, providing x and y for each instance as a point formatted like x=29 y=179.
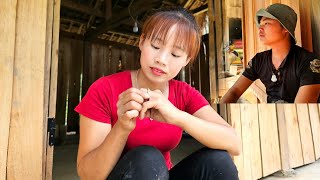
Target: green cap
x=282 y=13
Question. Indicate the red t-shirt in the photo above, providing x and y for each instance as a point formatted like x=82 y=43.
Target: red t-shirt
x=100 y=101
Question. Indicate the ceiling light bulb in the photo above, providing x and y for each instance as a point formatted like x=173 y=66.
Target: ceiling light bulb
x=135 y=27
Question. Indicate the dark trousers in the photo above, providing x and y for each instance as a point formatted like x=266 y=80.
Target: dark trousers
x=147 y=163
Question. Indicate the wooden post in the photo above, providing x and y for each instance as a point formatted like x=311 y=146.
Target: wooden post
x=26 y=138
x=7 y=48
x=212 y=54
x=52 y=57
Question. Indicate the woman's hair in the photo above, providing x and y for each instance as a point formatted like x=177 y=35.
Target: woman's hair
x=158 y=25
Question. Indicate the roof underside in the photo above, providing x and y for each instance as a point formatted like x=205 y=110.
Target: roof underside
x=113 y=20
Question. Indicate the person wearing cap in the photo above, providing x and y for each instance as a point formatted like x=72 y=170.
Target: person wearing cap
x=290 y=73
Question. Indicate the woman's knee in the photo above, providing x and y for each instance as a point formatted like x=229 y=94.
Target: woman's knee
x=144 y=162
x=219 y=162
x=145 y=154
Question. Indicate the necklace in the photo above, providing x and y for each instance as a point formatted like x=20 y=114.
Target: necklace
x=164 y=91
x=274 y=77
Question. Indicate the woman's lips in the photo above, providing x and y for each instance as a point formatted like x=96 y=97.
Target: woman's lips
x=157 y=72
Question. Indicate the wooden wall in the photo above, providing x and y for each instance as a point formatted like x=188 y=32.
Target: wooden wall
x=275 y=137
x=80 y=64
x=315 y=19
x=25 y=42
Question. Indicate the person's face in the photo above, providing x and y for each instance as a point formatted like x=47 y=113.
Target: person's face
x=162 y=59
x=271 y=31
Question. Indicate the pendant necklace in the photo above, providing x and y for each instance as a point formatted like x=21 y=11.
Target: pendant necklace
x=274 y=77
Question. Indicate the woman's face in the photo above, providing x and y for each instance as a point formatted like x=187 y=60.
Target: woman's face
x=162 y=59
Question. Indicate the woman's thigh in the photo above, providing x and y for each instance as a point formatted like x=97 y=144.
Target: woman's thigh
x=204 y=164
x=141 y=163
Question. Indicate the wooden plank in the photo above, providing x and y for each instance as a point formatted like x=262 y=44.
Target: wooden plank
x=218 y=35
x=47 y=66
x=315 y=127
x=234 y=118
x=7 y=46
x=248 y=28
x=305 y=133
x=269 y=139
x=213 y=76
x=294 y=4
x=74 y=84
x=283 y=137
x=293 y=136
x=315 y=19
x=53 y=81
x=251 y=142
x=62 y=88
x=305 y=20
x=25 y=150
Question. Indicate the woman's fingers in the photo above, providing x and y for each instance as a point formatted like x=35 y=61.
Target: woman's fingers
x=132 y=94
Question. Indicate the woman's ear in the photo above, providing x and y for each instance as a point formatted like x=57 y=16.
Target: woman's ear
x=141 y=41
x=187 y=61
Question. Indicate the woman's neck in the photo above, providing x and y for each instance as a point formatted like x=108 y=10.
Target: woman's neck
x=142 y=82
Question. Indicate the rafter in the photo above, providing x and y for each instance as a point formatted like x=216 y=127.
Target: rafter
x=140 y=6
x=81 y=8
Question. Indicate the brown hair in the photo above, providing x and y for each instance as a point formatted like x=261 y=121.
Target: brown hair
x=158 y=25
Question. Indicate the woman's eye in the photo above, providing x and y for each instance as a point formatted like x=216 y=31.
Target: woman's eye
x=174 y=55
x=155 y=47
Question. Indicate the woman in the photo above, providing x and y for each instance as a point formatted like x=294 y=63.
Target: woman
x=130 y=121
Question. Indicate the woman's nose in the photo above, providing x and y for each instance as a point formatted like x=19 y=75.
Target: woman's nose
x=162 y=57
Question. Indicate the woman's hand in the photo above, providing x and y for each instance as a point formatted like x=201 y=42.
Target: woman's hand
x=128 y=107
x=158 y=107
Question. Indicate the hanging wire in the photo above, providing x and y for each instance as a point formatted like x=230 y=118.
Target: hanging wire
x=129 y=7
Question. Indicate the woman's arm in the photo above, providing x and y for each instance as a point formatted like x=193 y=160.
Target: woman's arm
x=100 y=148
x=208 y=127
x=100 y=145
x=205 y=125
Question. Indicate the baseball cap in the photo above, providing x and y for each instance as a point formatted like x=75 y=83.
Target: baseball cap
x=282 y=13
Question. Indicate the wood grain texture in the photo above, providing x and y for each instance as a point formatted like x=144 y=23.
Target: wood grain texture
x=25 y=150
x=305 y=133
x=269 y=139
x=7 y=47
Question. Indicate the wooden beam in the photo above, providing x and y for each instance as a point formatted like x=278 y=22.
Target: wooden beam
x=112 y=43
x=108 y=12
x=200 y=10
x=81 y=8
x=139 y=6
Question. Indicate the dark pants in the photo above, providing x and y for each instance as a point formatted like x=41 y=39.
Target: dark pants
x=147 y=163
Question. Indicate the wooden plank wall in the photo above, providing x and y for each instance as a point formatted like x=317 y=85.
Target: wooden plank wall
x=81 y=63
x=315 y=26
x=22 y=82
x=275 y=137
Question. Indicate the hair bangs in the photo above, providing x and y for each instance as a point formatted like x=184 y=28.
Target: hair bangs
x=159 y=25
